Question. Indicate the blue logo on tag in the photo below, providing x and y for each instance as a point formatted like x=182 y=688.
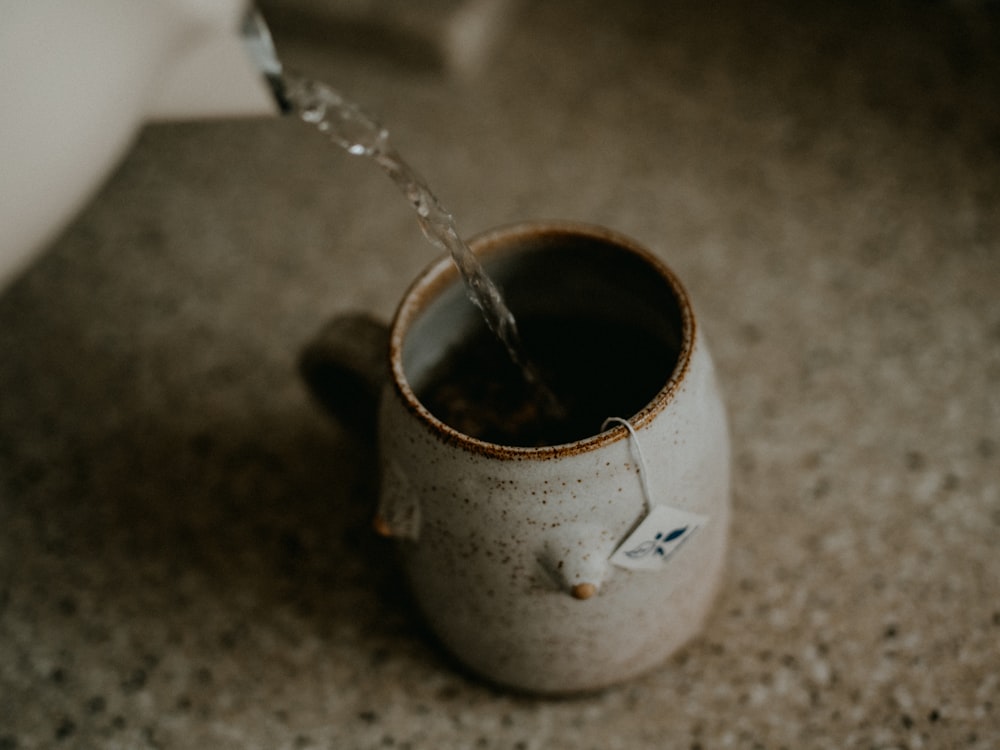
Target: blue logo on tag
x=658 y=544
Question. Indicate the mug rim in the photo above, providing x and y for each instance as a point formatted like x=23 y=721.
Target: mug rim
x=443 y=272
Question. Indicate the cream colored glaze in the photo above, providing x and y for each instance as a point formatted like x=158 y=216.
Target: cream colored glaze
x=506 y=549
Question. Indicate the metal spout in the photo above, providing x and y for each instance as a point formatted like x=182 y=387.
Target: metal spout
x=260 y=45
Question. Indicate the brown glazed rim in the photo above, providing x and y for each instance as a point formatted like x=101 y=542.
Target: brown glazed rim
x=443 y=273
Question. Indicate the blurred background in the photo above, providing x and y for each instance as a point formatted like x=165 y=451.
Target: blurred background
x=185 y=554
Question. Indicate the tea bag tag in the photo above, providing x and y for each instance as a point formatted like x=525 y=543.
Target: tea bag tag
x=658 y=536
x=661 y=532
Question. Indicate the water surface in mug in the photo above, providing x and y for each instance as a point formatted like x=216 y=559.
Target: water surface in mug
x=600 y=368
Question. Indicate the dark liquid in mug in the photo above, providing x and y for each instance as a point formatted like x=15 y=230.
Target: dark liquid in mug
x=596 y=369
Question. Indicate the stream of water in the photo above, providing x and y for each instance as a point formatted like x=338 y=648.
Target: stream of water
x=358 y=133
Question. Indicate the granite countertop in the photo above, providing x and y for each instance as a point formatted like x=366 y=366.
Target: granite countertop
x=185 y=553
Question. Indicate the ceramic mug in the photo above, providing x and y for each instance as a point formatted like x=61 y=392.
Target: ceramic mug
x=555 y=568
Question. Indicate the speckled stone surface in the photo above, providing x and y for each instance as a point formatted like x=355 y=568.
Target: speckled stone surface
x=185 y=555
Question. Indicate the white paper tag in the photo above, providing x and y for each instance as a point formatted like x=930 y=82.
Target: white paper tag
x=660 y=534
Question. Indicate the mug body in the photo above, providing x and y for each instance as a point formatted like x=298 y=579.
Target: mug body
x=509 y=548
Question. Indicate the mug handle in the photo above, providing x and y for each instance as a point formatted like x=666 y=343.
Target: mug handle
x=345 y=366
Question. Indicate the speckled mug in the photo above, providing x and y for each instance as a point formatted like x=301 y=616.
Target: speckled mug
x=509 y=550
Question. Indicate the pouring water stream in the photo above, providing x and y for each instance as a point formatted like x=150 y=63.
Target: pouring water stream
x=353 y=130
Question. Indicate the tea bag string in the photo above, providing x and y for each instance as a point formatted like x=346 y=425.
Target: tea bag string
x=634 y=440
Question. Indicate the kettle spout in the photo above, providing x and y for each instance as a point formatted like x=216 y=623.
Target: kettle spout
x=260 y=46
x=223 y=74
